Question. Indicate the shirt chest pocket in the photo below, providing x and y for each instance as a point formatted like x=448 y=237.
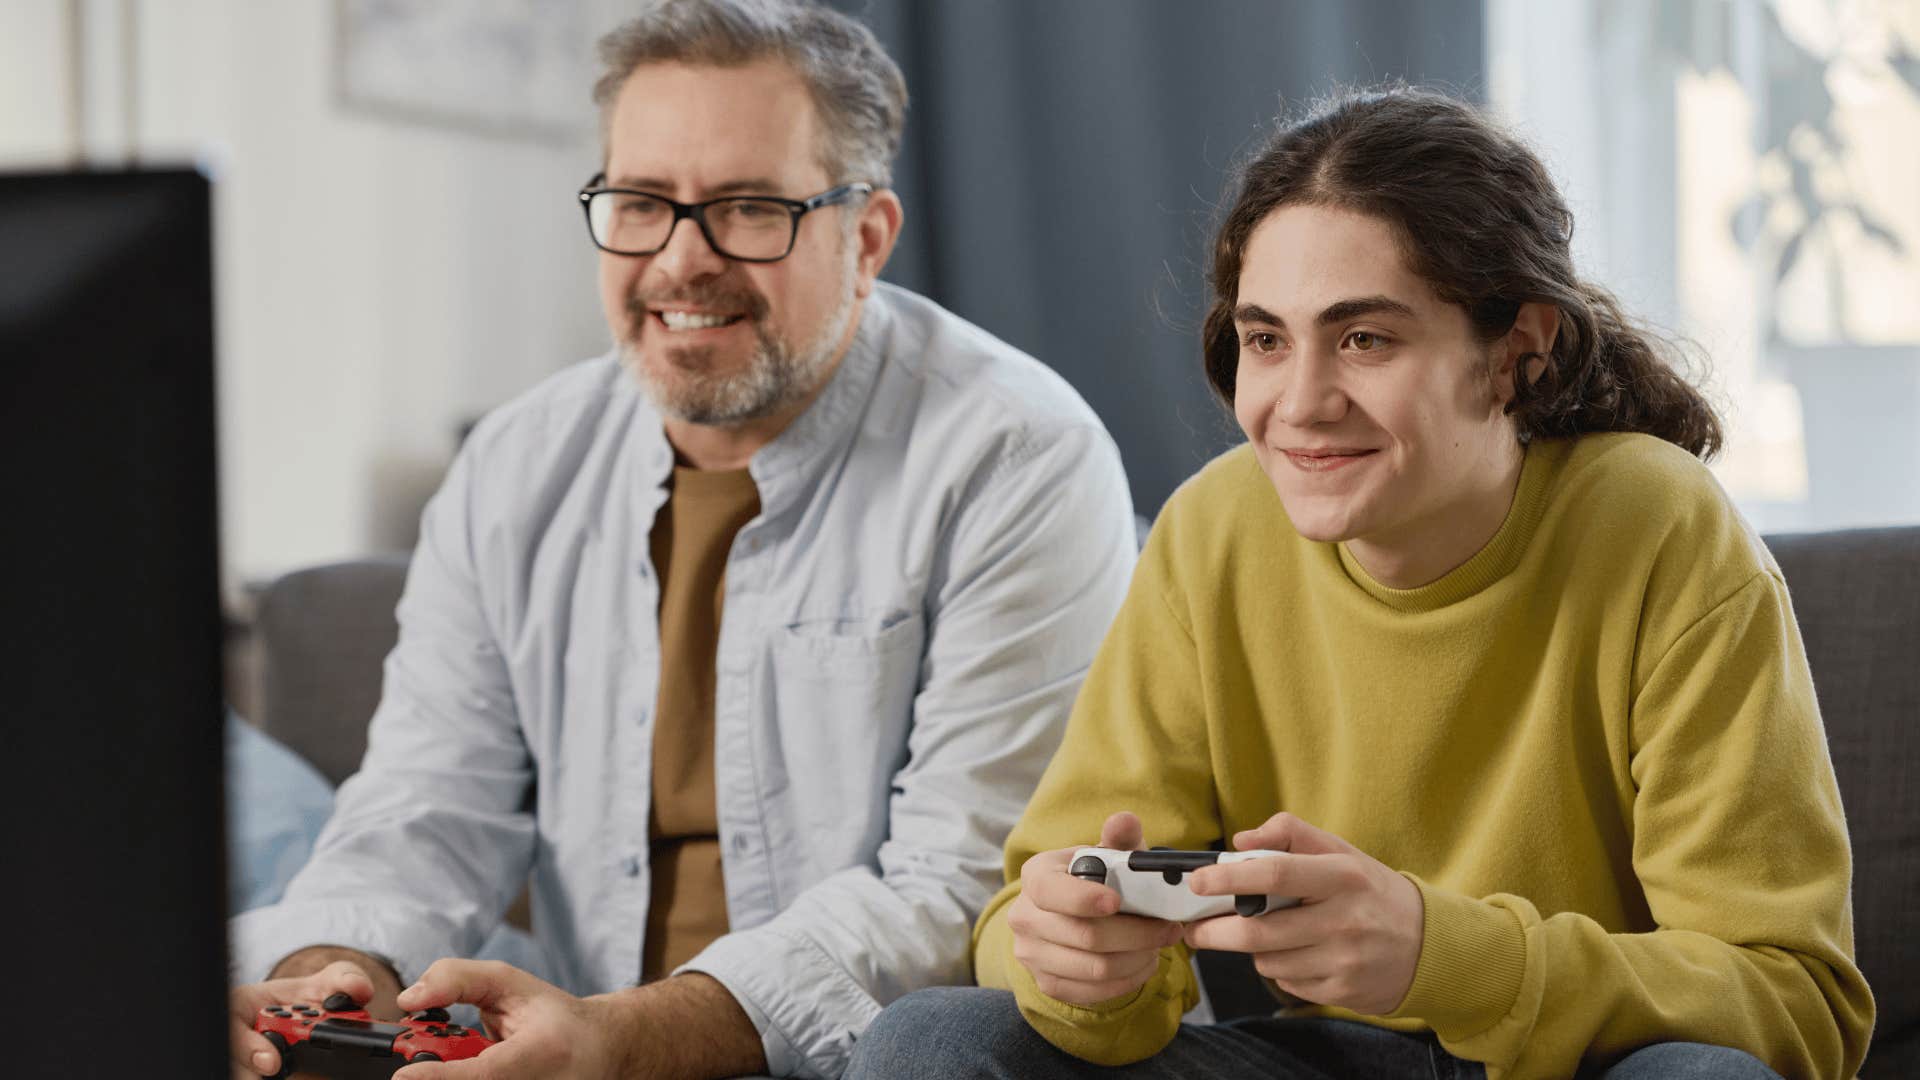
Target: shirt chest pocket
x=841 y=700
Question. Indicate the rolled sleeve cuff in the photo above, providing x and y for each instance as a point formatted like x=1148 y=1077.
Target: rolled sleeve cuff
x=261 y=938
x=806 y=1007
x=1473 y=961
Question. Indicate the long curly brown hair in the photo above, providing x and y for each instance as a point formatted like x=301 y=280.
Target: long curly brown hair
x=1480 y=220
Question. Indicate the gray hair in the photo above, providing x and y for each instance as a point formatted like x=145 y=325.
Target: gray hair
x=857 y=88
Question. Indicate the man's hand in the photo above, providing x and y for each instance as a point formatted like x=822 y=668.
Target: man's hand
x=686 y=1026
x=1067 y=933
x=253 y=1056
x=1353 y=942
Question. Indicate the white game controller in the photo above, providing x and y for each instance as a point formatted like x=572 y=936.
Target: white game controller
x=1153 y=883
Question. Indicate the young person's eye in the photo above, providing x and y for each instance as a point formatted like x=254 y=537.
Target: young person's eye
x=1260 y=341
x=1365 y=341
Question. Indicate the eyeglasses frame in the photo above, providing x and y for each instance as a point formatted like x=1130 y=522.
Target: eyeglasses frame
x=799 y=208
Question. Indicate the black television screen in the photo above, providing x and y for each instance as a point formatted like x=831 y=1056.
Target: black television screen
x=109 y=568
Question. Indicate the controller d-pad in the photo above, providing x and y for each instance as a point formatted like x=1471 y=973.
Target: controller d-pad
x=339 y=1001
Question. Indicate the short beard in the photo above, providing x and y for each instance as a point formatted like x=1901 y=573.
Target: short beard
x=777 y=375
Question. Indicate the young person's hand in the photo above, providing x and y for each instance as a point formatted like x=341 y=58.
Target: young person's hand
x=1354 y=941
x=1067 y=933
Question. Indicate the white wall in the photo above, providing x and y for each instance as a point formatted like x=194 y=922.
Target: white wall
x=378 y=280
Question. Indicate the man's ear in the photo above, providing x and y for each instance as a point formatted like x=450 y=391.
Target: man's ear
x=1534 y=330
x=874 y=234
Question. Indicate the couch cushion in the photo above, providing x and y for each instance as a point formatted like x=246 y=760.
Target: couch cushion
x=324 y=633
x=1856 y=595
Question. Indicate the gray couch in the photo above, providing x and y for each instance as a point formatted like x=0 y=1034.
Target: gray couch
x=323 y=632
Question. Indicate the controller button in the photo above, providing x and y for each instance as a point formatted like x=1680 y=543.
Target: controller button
x=1172 y=876
x=432 y=1015
x=340 y=1001
x=456 y=1029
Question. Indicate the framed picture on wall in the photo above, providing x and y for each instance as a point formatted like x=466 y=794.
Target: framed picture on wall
x=505 y=67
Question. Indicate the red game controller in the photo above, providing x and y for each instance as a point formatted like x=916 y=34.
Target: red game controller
x=339 y=1039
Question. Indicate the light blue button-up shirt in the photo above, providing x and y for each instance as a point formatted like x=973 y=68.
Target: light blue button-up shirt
x=944 y=536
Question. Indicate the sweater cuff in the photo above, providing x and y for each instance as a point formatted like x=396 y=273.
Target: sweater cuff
x=1117 y=1031
x=1472 y=961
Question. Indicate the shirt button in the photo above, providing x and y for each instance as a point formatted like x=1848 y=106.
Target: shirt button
x=632 y=866
x=742 y=843
x=642 y=569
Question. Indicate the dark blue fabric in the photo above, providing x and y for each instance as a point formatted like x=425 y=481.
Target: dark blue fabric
x=952 y=1032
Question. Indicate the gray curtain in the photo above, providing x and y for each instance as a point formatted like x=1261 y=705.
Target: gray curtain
x=1064 y=157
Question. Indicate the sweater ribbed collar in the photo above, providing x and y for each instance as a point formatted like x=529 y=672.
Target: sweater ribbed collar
x=1492 y=562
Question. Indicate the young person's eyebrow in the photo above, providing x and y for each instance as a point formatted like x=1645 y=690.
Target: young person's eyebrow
x=1337 y=312
x=1254 y=313
x=1343 y=310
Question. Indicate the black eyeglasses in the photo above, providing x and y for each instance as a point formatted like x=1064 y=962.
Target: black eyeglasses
x=749 y=228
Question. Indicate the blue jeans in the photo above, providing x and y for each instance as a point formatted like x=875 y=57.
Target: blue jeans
x=962 y=1031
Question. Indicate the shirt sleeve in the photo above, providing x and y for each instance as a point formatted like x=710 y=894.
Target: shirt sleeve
x=1034 y=567
x=432 y=838
x=1134 y=743
x=1741 y=849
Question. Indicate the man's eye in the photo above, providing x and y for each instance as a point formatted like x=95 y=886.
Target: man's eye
x=1261 y=341
x=639 y=208
x=1362 y=341
x=749 y=213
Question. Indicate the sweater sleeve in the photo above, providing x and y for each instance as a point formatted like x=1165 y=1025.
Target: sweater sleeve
x=1136 y=740
x=1740 y=847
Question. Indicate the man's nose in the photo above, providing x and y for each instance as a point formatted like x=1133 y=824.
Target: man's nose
x=1310 y=393
x=688 y=256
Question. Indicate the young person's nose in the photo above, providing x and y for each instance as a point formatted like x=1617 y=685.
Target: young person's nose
x=1310 y=392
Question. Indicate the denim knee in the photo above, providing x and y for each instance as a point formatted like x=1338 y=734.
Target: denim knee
x=942 y=1032
x=1689 y=1061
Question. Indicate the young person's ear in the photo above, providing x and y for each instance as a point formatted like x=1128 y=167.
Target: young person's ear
x=1530 y=342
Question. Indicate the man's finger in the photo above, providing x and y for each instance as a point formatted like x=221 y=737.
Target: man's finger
x=248 y=1046
x=484 y=983
x=341 y=976
x=1285 y=832
x=1304 y=877
x=1122 y=832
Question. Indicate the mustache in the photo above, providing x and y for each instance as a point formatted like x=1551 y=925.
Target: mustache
x=734 y=301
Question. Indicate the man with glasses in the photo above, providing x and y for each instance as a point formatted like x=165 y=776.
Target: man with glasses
x=748 y=640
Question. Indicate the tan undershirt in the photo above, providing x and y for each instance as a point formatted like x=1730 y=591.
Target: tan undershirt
x=691 y=537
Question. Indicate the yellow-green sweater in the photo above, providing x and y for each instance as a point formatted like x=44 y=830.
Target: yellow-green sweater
x=1594 y=748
